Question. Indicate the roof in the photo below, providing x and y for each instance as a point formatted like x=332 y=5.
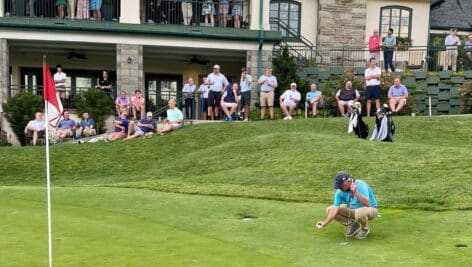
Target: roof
x=446 y=14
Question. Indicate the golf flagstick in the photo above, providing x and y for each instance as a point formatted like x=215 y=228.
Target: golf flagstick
x=48 y=184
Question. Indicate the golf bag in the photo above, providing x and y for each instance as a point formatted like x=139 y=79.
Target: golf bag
x=356 y=123
x=384 y=126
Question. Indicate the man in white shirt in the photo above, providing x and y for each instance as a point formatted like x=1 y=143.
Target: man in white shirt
x=203 y=90
x=372 y=85
x=268 y=83
x=60 y=81
x=289 y=101
x=217 y=82
x=245 y=85
x=36 y=128
x=451 y=42
x=187 y=92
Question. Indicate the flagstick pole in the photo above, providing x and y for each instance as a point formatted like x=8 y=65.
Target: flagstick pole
x=48 y=182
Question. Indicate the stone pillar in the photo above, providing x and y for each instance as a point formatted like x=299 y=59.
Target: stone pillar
x=341 y=23
x=129 y=68
x=252 y=64
x=254 y=7
x=4 y=69
x=130 y=11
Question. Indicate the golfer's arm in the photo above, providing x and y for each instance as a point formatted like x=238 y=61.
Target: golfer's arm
x=332 y=213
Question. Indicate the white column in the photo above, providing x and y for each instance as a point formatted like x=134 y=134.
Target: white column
x=130 y=10
x=254 y=6
x=2 y=8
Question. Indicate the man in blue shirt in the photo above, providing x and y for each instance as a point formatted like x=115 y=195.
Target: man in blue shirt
x=142 y=128
x=314 y=98
x=87 y=126
x=65 y=127
x=354 y=205
x=175 y=119
x=121 y=127
x=397 y=95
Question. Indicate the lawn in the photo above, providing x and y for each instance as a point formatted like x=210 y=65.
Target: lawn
x=178 y=200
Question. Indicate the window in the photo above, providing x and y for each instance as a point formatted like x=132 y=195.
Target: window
x=287 y=13
x=398 y=18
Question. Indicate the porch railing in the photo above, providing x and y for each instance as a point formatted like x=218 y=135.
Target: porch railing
x=413 y=58
x=109 y=10
x=197 y=12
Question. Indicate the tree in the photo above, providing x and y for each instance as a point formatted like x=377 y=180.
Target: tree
x=285 y=69
x=20 y=109
x=97 y=104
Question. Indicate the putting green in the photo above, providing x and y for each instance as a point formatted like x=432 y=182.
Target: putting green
x=99 y=226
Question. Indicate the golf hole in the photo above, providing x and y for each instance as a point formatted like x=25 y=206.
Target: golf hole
x=461 y=245
x=247 y=217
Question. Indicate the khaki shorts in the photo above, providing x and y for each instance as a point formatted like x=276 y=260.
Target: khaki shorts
x=267 y=97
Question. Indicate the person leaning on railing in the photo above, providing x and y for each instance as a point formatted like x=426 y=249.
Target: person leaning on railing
x=104 y=83
x=451 y=42
x=468 y=48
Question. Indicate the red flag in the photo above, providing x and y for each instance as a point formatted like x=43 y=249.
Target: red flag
x=53 y=101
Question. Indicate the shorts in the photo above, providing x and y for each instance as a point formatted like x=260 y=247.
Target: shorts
x=208 y=8
x=89 y=132
x=224 y=8
x=246 y=98
x=204 y=104
x=41 y=134
x=138 y=131
x=95 y=4
x=346 y=102
x=372 y=91
x=61 y=2
x=229 y=104
x=237 y=10
x=214 y=99
x=267 y=98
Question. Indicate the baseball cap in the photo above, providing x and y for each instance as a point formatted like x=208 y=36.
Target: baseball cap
x=149 y=114
x=293 y=84
x=339 y=178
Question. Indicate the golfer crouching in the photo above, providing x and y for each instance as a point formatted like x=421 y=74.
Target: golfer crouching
x=354 y=205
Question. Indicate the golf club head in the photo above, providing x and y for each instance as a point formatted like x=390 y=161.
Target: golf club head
x=343 y=243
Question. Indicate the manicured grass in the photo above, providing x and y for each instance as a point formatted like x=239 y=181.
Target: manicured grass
x=287 y=160
x=96 y=226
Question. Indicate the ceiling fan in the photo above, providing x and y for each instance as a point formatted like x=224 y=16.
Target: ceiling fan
x=195 y=60
x=73 y=55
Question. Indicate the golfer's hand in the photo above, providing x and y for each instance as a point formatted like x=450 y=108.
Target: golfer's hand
x=353 y=187
x=319 y=224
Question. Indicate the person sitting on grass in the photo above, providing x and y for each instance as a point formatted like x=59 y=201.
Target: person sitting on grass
x=87 y=126
x=397 y=95
x=175 y=119
x=137 y=102
x=346 y=98
x=360 y=206
x=229 y=101
x=36 y=128
x=122 y=103
x=121 y=124
x=65 y=127
x=289 y=101
x=314 y=98
x=143 y=128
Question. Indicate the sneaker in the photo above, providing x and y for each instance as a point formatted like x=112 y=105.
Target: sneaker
x=245 y=120
x=363 y=233
x=286 y=118
x=230 y=119
x=353 y=229
x=289 y=117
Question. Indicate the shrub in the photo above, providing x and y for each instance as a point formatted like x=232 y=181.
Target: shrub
x=20 y=109
x=466 y=95
x=285 y=69
x=97 y=104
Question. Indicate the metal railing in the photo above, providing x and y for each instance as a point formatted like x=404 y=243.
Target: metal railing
x=412 y=58
x=108 y=11
x=198 y=12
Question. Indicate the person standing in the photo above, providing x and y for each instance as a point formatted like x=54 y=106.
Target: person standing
x=104 y=83
x=354 y=206
x=60 y=81
x=95 y=6
x=237 y=13
x=268 y=84
x=71 y=8
x=187 y=12
x=389 y=43
x=223 y=11
x=372 y=85
x=188 y=95
x=83 y=9
x=374 y=43
x=217 y=82
x=60 y=4
x=245 y=85
x=208 y=12
x=451 y=42
x=468 y=47
x=203 y=91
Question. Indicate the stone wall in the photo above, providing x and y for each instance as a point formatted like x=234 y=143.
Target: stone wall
x=252 y=65
x=129 y=68
x=341 y=23
x=4 y=69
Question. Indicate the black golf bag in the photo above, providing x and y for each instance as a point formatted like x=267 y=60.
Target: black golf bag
x=356 y=123
x=384 y=126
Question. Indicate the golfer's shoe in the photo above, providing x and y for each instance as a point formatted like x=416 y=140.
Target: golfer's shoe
x=363 y=233
x=353 y=229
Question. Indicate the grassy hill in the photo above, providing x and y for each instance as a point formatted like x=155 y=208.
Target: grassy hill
x=427 y=167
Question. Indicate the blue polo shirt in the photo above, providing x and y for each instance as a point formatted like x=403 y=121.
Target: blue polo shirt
x=312 y=95
x=124 y=123
x=174 y=115
x=66 y=124
x=397 y=91
x=146 y=121
x=87 y=123
x=342 y=197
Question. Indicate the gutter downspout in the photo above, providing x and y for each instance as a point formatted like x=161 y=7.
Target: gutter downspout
x=261 y=38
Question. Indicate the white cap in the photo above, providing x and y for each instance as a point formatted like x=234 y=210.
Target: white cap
x=216 y=66
x=292 y=84
x=149 y=114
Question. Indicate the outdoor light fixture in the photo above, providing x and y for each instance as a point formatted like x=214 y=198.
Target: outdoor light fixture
x=130 y=60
